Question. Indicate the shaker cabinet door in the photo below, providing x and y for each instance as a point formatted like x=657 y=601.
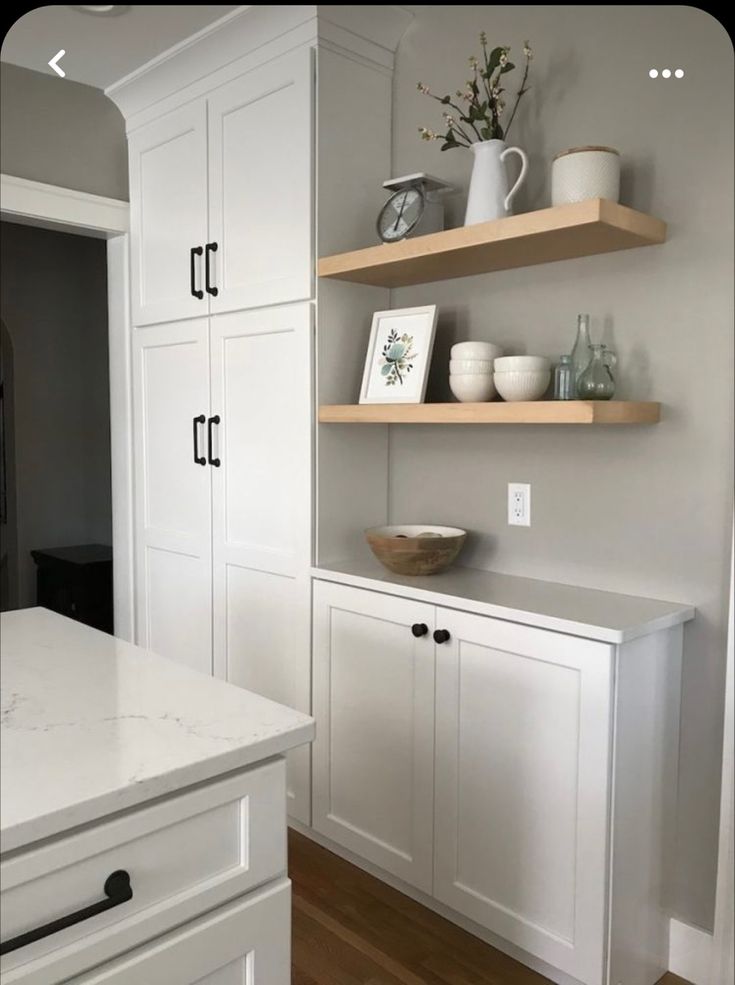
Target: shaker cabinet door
x=522 y=741
x=261 y=511
x=168 y=216
x=260 y=156
x=374 y=708
x=173 y=492
x=248 y=941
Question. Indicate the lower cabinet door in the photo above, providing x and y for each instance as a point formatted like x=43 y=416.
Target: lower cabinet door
x=522 y=740
x=374 y=707
x=244 y=943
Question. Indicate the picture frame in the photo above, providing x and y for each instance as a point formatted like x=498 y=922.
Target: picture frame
x=399 y=355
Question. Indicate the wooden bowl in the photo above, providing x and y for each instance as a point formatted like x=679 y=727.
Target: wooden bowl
x=416 y=549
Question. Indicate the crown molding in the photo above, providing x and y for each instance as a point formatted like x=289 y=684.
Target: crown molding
x=248 y=36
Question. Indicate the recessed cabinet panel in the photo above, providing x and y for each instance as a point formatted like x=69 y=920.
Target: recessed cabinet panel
x=374 y=705
x=247 y=942
x=260 y=146
x=173 y=492
x=522 y=737
x=168 y=215
x=265 y=642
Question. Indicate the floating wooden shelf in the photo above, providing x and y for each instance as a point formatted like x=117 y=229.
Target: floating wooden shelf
x=532 y=412
x=561 y=233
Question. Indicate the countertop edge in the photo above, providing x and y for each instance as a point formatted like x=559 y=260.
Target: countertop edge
x=24 y=835
x=560 y=624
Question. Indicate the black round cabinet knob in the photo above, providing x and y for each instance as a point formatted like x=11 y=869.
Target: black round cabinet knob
x=441 y=635
x=419 y=629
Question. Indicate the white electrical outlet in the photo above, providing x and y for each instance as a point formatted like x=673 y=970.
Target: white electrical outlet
x=519 y=504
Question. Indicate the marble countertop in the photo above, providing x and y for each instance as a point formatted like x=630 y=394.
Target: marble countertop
x=92 y=725
x=587 y=612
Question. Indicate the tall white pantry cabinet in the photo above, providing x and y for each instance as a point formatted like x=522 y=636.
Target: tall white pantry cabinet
x=229 y=202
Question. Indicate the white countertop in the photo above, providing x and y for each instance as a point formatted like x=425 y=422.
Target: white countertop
x=586 y=612
x=92 y=725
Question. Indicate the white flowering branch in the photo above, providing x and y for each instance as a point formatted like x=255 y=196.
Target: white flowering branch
x=480 y=119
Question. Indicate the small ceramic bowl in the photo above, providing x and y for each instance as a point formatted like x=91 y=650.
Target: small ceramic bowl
x=522 y=385
x=416 y=549
x=459 y=366
x=476 y=350
x=523 y=363
x=472 y=388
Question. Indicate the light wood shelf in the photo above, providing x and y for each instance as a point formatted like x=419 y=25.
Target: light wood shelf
x=532 y=412
x=560 y=233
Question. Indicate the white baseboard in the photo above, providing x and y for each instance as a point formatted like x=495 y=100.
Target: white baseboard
x=690 y=952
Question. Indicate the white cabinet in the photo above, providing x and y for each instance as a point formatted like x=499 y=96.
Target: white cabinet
x=173 y=491
x=168 y=216
x=221 y=217
x=374 y=750
x=522 y=745
x=248 y=941
x=261 y=520
x=520 y=776
x=222 y=437
x=260 y=152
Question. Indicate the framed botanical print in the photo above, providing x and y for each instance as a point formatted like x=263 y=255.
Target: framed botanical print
x=398 y=356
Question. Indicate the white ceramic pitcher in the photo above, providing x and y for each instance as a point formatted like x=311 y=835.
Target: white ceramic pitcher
x=489 y=197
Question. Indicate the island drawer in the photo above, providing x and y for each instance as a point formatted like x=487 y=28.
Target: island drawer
x=184 y=854
x=245 y=941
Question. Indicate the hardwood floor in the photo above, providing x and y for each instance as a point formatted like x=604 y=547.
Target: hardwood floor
x=351 y=929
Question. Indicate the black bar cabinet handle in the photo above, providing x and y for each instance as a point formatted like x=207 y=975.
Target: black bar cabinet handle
x=117 y=890
x=209 y=248
x=210 y=423
x=196 y=251
x=199 y=459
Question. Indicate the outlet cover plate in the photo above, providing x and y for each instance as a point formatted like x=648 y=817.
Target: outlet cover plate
x=519 y=504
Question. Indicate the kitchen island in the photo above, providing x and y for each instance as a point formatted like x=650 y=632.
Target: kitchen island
x=143 y=815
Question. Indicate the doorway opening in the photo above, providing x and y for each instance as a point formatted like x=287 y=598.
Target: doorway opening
x=57 y=506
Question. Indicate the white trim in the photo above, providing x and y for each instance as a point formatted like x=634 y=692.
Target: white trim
x=690 y=952
x=245 y=38
x=121 y=436
x=50 y=206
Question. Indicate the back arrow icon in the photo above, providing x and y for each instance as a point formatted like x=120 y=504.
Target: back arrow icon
x=54 y=63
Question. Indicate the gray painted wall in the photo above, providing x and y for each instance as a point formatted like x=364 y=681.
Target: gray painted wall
x=636 y=510
x=62 y=133
x=54 y=305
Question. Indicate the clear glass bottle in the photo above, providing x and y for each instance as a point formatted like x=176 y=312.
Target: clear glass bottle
x=581 y=352
x=564 y=379
x=597 y=382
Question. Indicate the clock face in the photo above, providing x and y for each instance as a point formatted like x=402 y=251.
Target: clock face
x=400 y=214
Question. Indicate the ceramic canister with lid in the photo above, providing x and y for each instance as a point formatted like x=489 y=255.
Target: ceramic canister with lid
x=585 y=172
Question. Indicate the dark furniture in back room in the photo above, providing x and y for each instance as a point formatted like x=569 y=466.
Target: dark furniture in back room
x=77 y=582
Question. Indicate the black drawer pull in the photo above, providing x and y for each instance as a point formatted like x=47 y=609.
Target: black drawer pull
x=199 y=459
x=209 y=287
x=196 y=251
x=419 y=629
x=117 y=890
x=210 y=422
x=441 y=635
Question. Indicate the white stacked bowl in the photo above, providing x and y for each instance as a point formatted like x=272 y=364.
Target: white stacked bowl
x=471 y=371
x=522 y=377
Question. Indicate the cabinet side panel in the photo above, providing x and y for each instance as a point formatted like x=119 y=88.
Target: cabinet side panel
x=353 y=159
x=645 y=769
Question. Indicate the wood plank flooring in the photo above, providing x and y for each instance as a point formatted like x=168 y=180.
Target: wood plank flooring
x=351 y=929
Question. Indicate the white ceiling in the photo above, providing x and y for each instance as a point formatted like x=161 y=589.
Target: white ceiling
x=102 y=49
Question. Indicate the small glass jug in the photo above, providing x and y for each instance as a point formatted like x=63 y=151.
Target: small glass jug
x=597 y=382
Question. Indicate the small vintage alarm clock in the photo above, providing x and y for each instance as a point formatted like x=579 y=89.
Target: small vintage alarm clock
x=414 y=209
